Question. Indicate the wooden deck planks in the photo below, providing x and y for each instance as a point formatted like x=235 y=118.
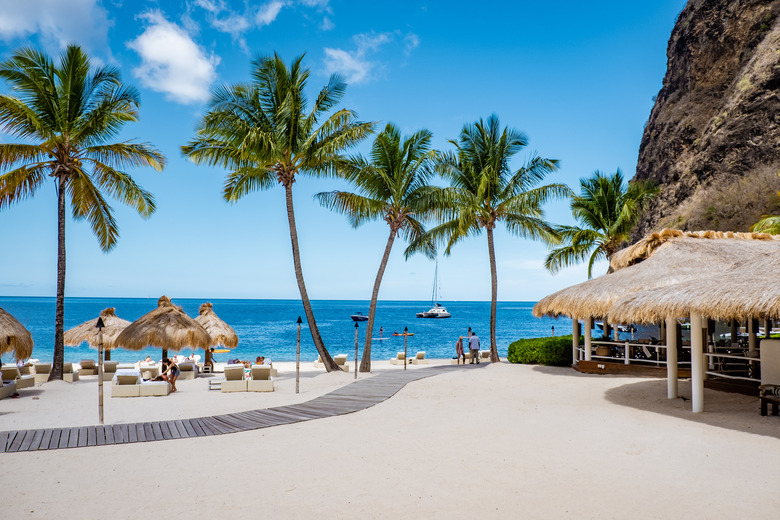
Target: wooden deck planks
x=357 y=396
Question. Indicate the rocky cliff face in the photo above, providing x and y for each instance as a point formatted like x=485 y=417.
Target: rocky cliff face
x=712 y=142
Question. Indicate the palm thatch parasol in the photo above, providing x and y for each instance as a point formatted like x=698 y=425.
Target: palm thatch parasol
x=658 y=277
x=14 y=337
x=221 y=333
x=167 y=327
x=113 y=326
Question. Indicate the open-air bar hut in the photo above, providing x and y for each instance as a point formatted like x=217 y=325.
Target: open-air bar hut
x=113 y=325
x=14 y=337
x=221 y=333
x=167 y=327
x=671 y=275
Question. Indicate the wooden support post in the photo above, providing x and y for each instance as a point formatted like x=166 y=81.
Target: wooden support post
x=767 y=328
x=734 y=332
x=575 y=341
x=697 y=364
x=671 y=358
x=626 y=353
x=752 y=325
x=588 y=340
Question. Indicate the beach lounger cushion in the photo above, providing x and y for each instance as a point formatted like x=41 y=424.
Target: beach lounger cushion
x=154 y=388
x=7 y=388
x=42 y=371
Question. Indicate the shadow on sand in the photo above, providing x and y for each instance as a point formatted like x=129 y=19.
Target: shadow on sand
x=721 y=409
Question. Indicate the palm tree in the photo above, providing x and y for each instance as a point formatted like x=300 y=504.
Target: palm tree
x=65 y=114
x=768 y=224
x=607 y=211
x=390 y=187
x=262 y=132
x=484 y=191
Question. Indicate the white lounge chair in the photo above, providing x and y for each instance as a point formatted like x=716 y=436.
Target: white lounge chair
x=341 y=361
x=398 y=359
x=7 y=388
x=11 y=373
x=42 y=371
x=188 y=370
x=126 y=383
x=234 y=379
x=109 y=369
x=419 y=359
x=69 y=375
x=87 y=367
x=484 y=356
x=260 y=379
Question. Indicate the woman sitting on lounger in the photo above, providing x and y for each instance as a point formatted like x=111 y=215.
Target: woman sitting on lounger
x=170 y=372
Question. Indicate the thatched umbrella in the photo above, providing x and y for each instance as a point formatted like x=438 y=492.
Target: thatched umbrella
x=113 y=325
x=221 y=333
x=167 y=327
x=14 y=337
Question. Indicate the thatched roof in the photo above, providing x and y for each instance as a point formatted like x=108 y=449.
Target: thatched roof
x=221 y=333
x=672 y=273
x=166 y=327
x=88 y=331
x=14 y=337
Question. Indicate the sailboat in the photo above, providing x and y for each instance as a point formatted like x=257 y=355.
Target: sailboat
x=438 y=310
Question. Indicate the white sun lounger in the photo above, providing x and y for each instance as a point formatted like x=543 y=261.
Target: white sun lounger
x=109 y=369
x=398 y=359
x=234 y=379
x=7 y=388
x=260 y=379
x=69 y=375
x=12 y=373
x=419 y=359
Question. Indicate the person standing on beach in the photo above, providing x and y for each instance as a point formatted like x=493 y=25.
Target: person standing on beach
x=459 y=351
x=473 y=348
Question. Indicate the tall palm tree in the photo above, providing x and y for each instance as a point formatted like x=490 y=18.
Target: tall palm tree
x=484 y=191
x=65 y=114
x=262 y=133
x=391 y=187
x=607 y=211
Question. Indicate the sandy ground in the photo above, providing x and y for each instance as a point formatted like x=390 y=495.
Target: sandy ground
x=504 y=441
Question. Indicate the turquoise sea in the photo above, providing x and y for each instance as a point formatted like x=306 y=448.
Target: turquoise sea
x=268 y=327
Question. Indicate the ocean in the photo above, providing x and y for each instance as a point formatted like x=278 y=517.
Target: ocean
x=268 y=327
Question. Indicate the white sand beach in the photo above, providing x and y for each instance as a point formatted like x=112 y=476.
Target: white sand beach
x=503 y=441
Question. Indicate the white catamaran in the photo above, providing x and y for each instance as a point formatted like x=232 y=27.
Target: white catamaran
x=438 y=310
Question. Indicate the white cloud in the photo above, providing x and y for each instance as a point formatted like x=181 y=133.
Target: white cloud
x=411 y=41
x=56 y=22
x=355 y=65
x=327 y=24
x=268 y=13
x=172 y=62
x=348 y=64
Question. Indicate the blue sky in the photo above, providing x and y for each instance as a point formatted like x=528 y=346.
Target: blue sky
x=578 y=78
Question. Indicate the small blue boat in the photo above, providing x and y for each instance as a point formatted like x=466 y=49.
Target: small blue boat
x=358 y=316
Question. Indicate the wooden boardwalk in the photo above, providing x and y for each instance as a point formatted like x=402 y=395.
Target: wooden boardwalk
x=354 y=397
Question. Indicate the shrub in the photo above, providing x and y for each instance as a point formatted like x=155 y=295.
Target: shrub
x=551 y=351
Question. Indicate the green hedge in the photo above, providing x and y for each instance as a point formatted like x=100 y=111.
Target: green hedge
x=551 y=351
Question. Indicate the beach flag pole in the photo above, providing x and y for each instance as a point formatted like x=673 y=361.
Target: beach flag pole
x=298 y=359
x=99 y=325
x=356 y=348
x=406 y=335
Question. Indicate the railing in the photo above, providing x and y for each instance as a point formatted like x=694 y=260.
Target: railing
x=719 y=364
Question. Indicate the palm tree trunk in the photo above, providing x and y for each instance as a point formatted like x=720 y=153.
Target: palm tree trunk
x=59 y=315
x=365 y=363
x=493 y=296
x=327 y=360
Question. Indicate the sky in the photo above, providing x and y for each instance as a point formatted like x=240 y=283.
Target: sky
x=578 y=78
